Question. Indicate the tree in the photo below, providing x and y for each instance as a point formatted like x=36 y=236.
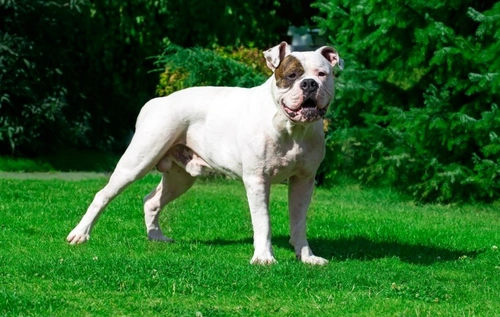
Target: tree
x=36 y=45
x=74 y=73
x=417 y=106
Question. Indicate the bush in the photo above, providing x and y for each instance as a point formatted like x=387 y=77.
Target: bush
x=201 y=67
x=417 y=106
x=33 y=59
x=74 y=73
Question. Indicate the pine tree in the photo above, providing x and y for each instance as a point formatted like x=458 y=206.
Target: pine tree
x=417 y=104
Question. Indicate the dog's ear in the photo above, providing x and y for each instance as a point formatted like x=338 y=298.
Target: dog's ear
x=275 y=55
x=331 y=56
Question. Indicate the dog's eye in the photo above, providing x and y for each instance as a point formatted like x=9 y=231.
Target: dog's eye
x=321 y=74
x=292 y=76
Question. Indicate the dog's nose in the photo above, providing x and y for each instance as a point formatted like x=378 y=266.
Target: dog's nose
x=309 y=85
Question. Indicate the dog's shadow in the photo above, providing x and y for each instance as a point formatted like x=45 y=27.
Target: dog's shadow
x=364 y=249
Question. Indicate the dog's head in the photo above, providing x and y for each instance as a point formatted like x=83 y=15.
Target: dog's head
x=304 y=81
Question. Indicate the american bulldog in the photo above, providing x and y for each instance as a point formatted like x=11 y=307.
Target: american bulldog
x=263 y=135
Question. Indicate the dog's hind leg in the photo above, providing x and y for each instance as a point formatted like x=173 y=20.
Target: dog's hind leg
x=117 y=182
x=174 y=183
x=139 y=158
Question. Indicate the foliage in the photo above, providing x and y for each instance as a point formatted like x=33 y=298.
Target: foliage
x=434 y=261
x=194 y=23
x=62 y=160
x=34 y=98
x=9 y=164
x=417 y=106
x=201 y=67
x=252 y=57
x=74 y=73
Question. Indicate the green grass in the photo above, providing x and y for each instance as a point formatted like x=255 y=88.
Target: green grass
x=24 y=165
x=387 y=256
x=62 y=160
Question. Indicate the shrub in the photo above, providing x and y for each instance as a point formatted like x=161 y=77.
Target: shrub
x=417 y=106
x=74 y=73
x=33 y=98
x=201 y=67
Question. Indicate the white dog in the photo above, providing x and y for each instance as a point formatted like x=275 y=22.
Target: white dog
x=263 y=135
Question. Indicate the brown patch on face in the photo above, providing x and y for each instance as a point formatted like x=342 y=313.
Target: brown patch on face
x=289 y=70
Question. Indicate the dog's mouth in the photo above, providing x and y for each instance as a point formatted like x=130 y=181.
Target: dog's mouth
x=307 y=112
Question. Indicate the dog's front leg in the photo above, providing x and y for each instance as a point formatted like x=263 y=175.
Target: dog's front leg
x=299 y=196
x=258 y=189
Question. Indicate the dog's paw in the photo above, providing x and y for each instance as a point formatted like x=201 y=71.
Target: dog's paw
x=156 y=235
x=77 y=238
x=312 y=259
x=265 y=259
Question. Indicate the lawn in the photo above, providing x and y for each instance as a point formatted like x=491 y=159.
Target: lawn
x=388 y=256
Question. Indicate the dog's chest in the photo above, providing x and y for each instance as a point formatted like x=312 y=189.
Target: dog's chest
x=291 y=158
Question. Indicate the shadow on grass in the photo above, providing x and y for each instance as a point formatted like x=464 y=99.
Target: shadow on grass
x=364 y=249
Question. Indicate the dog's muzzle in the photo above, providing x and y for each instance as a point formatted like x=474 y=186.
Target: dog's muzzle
x=307 y=112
